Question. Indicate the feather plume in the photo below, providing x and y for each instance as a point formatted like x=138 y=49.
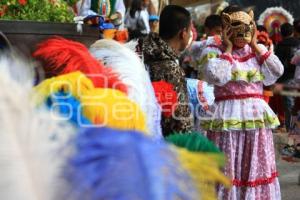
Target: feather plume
x=271 y=14
x=113 y=164
x=69 y=108
x=132 y=44
x=195 y=142
x=76 y=84
x=166 y=97
x=204 y=170
x=112 y=108
x=62 y=56
x=132 y=72
x=17 y=68
x=30 y=167
x=101 y=106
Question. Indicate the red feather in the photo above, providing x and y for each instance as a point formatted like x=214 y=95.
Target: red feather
x=62 y=56
x=166 y=97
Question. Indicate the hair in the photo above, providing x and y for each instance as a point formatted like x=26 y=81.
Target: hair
x=286 y=29
x=173 y=19
x=297 y=25
x=232 y=9
x=213 y=21
x=136 y=5
x=261 y=28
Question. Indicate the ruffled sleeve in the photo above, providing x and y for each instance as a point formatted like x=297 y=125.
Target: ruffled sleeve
x=217 y=67
x=271 y=67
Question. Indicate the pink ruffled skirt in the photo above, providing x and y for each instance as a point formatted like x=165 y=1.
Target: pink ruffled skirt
x=250 y=164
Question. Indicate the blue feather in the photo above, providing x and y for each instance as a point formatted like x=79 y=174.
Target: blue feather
x=69 y=107
x=125 y=165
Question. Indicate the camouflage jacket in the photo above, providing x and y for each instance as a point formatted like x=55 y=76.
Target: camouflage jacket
x=162 y=63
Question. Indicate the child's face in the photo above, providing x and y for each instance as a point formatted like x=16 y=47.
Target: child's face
x=215 y=31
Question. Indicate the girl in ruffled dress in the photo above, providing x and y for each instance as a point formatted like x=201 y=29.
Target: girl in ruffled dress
x=242 y=122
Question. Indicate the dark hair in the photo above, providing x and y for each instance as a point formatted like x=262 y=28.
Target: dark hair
x=261 y=28
x=213 y=21
x=297 y=25
x=232 y=9
x=136 y=5
x=173 y=19
x=286 y=29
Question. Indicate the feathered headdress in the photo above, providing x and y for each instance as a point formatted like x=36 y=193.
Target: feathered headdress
x=112 y=108
x=195 y=142
x=76 y=84
x=210 y=157
x=66 y=107
x=152 y=170
x=133 y=73
x=166 y=97
x=31 y=150
x=272 y=18
x=101 y=106
x=62 y=56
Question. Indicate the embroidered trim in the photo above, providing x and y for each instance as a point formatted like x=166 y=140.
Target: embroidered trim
x=257 y=182
x=264 y=57
x=215 y=46
x=248 y=76
x=208 y=56
x=244 y=58
x=240 y=96
x=221 y=125
x=227 y=57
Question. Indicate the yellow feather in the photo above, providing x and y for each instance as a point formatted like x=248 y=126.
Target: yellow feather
x=204 y=170
x=76 y=83
x=114 y=109
x=107 y=107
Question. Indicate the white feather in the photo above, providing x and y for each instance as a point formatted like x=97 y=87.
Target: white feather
x=133 y=73
x=31 y=153
x=272 y=10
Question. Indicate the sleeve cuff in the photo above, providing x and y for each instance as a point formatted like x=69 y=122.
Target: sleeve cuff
x=227 y=56
x=264 y=57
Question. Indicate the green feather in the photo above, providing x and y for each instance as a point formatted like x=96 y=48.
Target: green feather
x=193 y=141
x=196 y=142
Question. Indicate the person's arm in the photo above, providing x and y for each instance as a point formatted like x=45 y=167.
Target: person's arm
x=145 y=17
x=216 y=64
x=151 y=9
x=120 y=8
x=271 y=66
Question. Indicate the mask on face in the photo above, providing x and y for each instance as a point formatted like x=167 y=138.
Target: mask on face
x=241 y=25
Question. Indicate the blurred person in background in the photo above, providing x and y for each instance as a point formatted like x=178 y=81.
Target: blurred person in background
x=285 y=50
x=154 y=23
x=137 y=19
x=114 y=9
x=190 y=59
x=296 y=25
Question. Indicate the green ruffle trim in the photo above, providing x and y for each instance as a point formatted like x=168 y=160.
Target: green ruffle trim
x=220 y=125
x=248 y=76
x=208 y=56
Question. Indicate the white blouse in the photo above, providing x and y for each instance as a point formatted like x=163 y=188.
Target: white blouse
x=131 y=23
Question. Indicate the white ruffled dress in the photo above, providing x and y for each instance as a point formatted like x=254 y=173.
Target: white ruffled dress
x=241 y=121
